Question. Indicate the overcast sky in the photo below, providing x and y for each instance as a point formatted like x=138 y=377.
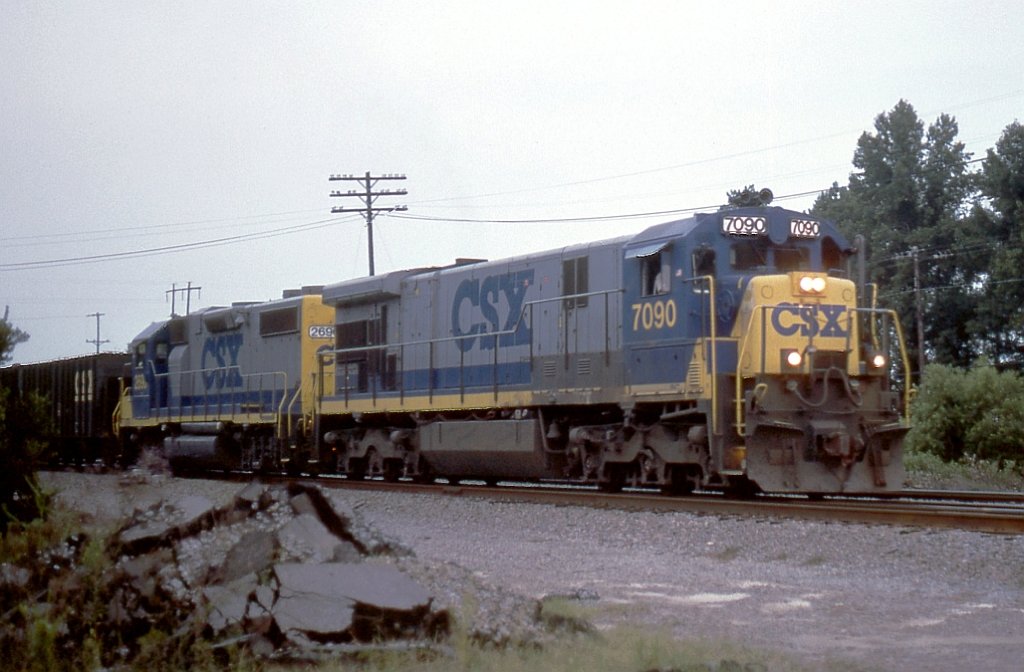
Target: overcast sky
x=134 y=126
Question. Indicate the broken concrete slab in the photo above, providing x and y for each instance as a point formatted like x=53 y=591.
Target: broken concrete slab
x=305 y=538
x=313 y=615
x=381 y=586
x=228 y=604
x=253 y=553
x=253 y=496
x=166 y=522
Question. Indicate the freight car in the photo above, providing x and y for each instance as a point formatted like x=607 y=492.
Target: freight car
x=730 y=349
x=79 y=397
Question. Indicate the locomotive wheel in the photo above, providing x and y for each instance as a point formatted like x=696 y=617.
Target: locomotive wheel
x=680 y=482
x=741 y=488
x=392 y=470
x=374 y=463
x=615 y=478
x=356 y=469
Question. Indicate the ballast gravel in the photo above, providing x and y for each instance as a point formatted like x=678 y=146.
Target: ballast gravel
x=826 y=595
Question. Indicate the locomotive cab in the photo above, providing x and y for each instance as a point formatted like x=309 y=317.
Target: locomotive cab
x=813 y=408
x=748 y=350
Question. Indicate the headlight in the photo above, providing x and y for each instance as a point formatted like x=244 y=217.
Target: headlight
x=793 y=358
x=812 y=284
x=878 y=361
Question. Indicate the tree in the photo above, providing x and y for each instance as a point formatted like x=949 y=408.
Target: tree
x=22 y=422
x=999 y=320
x=10 y=336
x=907 y=199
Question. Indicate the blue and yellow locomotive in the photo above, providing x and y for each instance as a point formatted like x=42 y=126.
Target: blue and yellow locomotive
x=730 y=349
x=228 y=387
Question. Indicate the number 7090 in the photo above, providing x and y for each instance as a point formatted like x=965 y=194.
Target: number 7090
x=651 y=315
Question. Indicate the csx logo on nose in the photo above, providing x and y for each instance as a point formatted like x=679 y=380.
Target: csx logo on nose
x=789 y=319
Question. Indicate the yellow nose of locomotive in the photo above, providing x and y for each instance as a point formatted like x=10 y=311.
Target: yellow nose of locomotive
x=789 y=323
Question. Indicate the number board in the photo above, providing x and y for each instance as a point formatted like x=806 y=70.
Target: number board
x=744 y=226
x=804 y=228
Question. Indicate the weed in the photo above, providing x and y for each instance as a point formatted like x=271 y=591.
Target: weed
x=566 y=615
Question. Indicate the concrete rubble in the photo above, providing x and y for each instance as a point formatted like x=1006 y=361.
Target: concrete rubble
x=281 y=569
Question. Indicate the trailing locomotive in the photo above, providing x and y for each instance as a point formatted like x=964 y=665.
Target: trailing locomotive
x=730 y=349
x=228 y=387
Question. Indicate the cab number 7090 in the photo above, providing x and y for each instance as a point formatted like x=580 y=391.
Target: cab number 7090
x=653 y=315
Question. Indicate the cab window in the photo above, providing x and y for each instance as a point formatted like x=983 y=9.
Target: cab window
x=655 y=274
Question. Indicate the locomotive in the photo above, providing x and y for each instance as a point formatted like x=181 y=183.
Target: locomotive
x=727 y=350
x=739 y=349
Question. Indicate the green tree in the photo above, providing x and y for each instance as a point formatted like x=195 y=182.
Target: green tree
x=999 y=320
x=10 y=336
x=907 y=198
x=22 y=422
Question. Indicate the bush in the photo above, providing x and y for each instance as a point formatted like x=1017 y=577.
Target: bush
x=22 y=421
x=978 y=413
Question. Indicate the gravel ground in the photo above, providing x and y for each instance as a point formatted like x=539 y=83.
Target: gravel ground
x=824 y=594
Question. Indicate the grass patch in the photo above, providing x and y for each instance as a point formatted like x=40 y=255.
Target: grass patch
x=929 y=471
x=624 y=649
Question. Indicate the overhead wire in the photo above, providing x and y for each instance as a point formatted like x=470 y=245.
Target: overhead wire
x=166 y=249
x=162 y=228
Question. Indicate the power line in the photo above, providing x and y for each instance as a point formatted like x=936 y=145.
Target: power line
x=88 y=259
x=157 y=228
x=368 y=196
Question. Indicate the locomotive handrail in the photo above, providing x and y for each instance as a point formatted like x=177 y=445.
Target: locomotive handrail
x=850 y=313
x=432 y=342
x=261 y=376
x=291 y=405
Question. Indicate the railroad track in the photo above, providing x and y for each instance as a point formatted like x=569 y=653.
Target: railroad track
x=1001 y=513
x=979 y=511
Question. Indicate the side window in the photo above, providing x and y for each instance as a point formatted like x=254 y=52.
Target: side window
x=748 y=255
x=831 y=255
x=655 y=274
x=703 y=261
x=576 y=280
x=703 y=266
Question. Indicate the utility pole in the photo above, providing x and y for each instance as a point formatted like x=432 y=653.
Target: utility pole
x=98 y=341
x=369 y=197
x=920 y=313
x=187 y=291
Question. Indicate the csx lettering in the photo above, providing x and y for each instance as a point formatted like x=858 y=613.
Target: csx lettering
x=220 y=361
x=483 y=298
x=789 y=319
